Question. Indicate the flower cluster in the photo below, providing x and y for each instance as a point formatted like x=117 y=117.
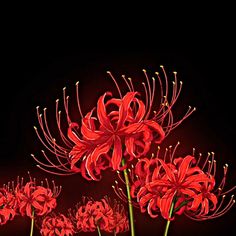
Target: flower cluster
x=180 y=185
x=118 y=134
x=98 y=142
x=27 y=199
x=92 y=215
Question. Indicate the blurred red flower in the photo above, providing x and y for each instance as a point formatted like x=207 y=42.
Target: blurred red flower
x=57 y=225
x=7 y=206
x=91 y=215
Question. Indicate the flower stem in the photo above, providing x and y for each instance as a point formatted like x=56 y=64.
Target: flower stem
x=131 y=214
x=99 y=232
x=168 y=222
x=32 y=224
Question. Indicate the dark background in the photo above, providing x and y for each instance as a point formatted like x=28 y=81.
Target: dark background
x=39 y=60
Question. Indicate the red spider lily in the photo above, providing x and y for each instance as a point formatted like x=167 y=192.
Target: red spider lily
x=183 y=183
x=7 y=206
x=36 y=200
x=98 y=143
x=93 y=214
x=57 y=225
x=121 y=222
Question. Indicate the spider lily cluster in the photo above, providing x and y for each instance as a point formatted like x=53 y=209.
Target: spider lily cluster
x=118 y=134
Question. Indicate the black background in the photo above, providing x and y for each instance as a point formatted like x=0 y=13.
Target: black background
x=38 y=60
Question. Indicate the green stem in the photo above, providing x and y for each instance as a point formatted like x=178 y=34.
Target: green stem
x=168 y=222
x=99 y=232
x=32 y=224
x=181 y=205
x=131 y=214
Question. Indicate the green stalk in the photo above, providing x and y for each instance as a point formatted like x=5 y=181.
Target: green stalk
x=32 y=224
x=170 y=214
x=131 y=213
x=99 y=232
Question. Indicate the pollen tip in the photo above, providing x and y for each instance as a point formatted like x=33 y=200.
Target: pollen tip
x=35 y=127
x=120 y=189
x=45 y=108
x=113 y=186
x=116 y=182
x=224 y=196
x=108 y=72
x=143 y=83
x=153 y=78
x=129 y=79
x=38 y=165
x=64 y=88
x=77 y=83
x=42 y=151
x=194 y=109
x=161 y=66
x=118 y=172
x=234 y=201
x=226 y=165
x=37 y=107
x=157 y=73
x=57 y=100
x=32 y=155
x=212 y=153
x=144 y=70
x=173 y=82
x=232 y=196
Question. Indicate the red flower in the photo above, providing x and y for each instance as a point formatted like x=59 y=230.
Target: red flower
x=58 y=225
x=122 y=128
x=121 y=221
x=180 y=182
x=92 y=214
x=118 y=128
x=37 y=200
x=7 y=206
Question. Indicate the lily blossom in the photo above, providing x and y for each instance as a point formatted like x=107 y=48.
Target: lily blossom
x=123 y=127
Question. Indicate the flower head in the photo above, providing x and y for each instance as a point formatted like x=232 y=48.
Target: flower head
x=181 y=182
x=36 y=199
x=91 y=214
x=7 y=205
x=123 y=127
x=58 y=225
